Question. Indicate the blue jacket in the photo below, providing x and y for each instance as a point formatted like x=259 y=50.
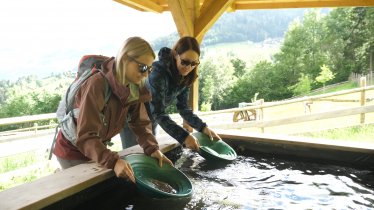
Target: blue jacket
x=164 y=92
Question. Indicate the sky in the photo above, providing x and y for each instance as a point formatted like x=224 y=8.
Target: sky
x=41 y=37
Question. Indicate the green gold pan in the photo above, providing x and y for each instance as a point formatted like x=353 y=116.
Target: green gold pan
x=156 y=181
x=214 y=150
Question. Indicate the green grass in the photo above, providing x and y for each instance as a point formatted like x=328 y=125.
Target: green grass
x=24 y=167
x=21 y=160
x=29 y=159
x=44 y=169
x=249 y=52
x=345 y=86
x=362 y=133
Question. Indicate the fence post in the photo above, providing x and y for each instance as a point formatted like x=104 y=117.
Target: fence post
x=35 y=127
x=261 y=117
x=363 y=98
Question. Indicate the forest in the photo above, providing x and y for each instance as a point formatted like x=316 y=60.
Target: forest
x=318 y=48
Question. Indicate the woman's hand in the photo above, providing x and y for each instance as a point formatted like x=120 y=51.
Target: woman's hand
x=161 y=158
x=211 y=134
x=192 y=143
x=123 y=170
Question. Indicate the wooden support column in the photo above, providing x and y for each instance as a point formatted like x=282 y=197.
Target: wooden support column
x=182 y=17
x=184 y=14
x=191 y=20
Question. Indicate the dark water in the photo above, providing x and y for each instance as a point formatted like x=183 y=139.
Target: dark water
x=267 y=183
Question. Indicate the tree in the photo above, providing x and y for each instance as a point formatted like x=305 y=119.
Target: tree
x=239 y=67
x=302 y=87
x=325 y=75
x=216 y=76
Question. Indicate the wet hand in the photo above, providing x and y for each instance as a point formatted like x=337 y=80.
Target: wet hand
x=161 y=157
x=192 y=143
x=124 y=170
x=212 y=135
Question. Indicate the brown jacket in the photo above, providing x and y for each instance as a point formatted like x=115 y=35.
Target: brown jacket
x=94 y=129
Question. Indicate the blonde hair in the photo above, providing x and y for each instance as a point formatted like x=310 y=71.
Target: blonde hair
x=134 y=47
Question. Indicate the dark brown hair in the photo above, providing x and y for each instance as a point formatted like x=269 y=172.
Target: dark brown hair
x=184 y=44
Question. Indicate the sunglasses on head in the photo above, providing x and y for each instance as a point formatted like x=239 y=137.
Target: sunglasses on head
x=142 y=67
x=189 y=63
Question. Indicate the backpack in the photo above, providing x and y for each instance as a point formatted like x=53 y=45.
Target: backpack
x=66 y=114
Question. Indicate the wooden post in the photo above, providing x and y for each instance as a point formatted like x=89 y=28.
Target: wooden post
x=363 y=98
x=261 y=115
x=35 y=127
x=371 y=69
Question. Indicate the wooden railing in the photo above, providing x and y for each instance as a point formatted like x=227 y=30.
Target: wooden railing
x=262 y=123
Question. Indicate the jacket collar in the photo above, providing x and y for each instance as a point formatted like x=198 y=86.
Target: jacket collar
x=167 y=63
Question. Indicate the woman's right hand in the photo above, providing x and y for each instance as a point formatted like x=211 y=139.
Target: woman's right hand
x=192 y=143
x=123 y=170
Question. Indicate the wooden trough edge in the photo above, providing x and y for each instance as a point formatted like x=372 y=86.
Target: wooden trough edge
x=55 y=187
x=346 y=153
x=297 y=140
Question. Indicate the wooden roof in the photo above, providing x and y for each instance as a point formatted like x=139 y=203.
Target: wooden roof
x=195 y=17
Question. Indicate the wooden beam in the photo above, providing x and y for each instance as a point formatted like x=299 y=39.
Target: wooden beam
x=252 y=4
x=210 y=11
x=182 y=17
x=28 y=118
x=272 y=4
x=129 y=5
x=142 y=5
x=231 y=8
x=308 y=142
x=194 y=9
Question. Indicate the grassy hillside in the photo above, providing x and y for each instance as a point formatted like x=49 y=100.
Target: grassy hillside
x=249 y=52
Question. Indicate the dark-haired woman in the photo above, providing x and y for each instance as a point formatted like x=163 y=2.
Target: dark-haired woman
x=170 y=82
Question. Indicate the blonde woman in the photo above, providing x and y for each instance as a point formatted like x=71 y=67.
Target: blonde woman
x=98 y=121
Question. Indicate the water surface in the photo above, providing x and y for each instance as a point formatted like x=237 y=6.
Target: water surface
x=270 y=183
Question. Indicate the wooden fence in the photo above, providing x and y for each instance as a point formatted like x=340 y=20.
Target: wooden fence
x=363 y=102
x=358 y=77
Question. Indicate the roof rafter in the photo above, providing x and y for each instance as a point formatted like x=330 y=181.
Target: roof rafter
x=210 y=11
x=279 y=4
x=142 y=5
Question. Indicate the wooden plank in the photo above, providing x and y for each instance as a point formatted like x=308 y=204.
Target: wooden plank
x=50 y=189
x=270 y=4
x=320 y=143
x=129 y=5
x=145 y=5
x=29 y=118
x=250 y=4
x=182 y=17
x=304 y=118
x=362 y=98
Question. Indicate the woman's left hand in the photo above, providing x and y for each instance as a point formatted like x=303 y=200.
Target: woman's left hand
x=211 y=134
x=161 y=158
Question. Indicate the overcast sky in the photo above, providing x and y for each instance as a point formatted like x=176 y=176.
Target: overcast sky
x=45 y=36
